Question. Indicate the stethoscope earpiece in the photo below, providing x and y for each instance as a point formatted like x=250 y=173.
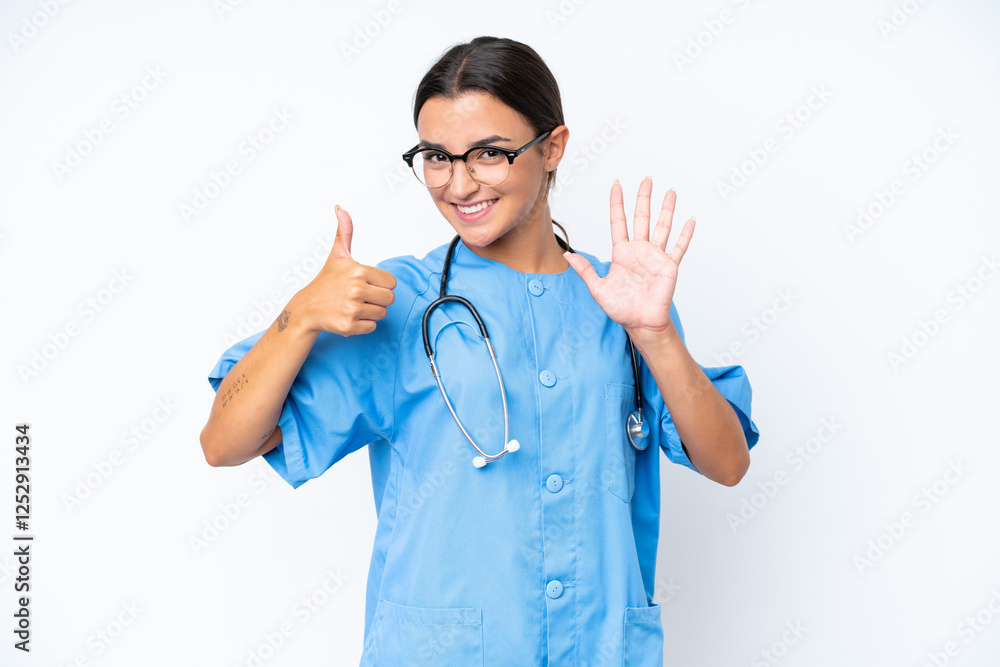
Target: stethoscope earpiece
x=480 y=461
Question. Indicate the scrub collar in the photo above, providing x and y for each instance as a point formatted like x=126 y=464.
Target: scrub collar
x=466 y=258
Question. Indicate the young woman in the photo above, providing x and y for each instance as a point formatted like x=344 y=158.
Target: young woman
x=517 y=495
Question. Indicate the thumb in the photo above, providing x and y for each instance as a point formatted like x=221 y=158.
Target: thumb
x=345 y=230
x=583 y=269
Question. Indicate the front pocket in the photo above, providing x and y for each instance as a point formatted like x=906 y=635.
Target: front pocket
x=402 y=635
x=619 y=462
x=643 y=634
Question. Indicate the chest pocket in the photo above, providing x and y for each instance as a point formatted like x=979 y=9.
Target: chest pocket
x=619 y=460
x=402 y=635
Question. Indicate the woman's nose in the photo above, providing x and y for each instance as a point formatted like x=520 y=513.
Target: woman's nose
x=462 y=182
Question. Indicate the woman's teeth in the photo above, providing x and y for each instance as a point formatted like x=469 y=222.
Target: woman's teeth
x=478 y=207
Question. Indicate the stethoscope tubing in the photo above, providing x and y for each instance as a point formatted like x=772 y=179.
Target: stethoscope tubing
x=503 y=396
x=635 y=427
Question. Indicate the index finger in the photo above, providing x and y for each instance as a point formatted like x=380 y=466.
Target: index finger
x=380 y=277
x=619 y=226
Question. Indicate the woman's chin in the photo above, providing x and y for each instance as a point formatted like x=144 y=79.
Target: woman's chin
x=478 y=237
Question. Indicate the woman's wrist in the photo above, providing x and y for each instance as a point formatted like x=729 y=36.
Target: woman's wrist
x=294 y=318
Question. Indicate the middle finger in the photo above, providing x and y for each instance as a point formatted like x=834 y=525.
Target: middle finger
x=640 y=221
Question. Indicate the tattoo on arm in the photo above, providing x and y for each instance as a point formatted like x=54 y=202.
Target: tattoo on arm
x=267 y=435
x=238 y=383
x=283 y=320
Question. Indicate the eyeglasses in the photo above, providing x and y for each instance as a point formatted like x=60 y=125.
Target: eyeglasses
x=488 y=165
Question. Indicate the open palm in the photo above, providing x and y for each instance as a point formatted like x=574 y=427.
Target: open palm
x=639 y=286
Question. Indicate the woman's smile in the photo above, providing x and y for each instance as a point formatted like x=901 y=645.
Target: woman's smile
x=476 y=211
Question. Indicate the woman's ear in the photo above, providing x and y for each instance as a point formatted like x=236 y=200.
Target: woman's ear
x=555 y=147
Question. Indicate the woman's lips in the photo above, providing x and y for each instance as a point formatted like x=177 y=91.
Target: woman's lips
x=471 y=217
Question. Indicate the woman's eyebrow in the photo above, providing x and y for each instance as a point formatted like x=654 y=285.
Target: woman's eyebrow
x=485 y=140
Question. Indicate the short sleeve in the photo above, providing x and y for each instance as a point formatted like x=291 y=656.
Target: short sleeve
x=340 y=401
x=731 y=381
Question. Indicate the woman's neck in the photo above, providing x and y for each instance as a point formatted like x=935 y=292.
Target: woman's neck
x=532 y=250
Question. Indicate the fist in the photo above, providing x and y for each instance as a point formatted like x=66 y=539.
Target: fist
x=346 y=297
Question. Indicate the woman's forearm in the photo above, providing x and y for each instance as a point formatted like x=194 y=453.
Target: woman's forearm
x=248 y=402
x=705 y=421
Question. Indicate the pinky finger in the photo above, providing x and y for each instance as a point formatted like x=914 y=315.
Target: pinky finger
x=677 y=252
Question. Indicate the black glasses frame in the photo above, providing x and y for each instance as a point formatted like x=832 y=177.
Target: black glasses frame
x=511 y=154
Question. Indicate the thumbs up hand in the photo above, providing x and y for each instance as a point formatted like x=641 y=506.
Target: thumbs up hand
x=346 y=297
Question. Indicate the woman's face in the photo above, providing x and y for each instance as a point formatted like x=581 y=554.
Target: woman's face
x=478 y=118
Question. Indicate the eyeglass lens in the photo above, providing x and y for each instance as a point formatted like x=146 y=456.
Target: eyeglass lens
x=487 y=165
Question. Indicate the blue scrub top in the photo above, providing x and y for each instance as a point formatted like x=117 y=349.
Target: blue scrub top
x=545 y=556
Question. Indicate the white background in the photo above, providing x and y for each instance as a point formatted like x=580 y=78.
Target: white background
x=192 y=286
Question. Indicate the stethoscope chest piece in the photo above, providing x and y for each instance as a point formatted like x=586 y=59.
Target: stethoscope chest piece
x=638 y=430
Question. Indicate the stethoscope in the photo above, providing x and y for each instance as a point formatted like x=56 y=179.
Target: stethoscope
x=635 y=427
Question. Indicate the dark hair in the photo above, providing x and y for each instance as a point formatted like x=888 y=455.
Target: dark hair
x=507 y=69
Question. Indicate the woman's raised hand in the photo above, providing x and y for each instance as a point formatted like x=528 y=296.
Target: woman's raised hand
x=346 y=297
x=639 y=286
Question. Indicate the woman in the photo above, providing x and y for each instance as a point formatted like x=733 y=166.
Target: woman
x=517 y=522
